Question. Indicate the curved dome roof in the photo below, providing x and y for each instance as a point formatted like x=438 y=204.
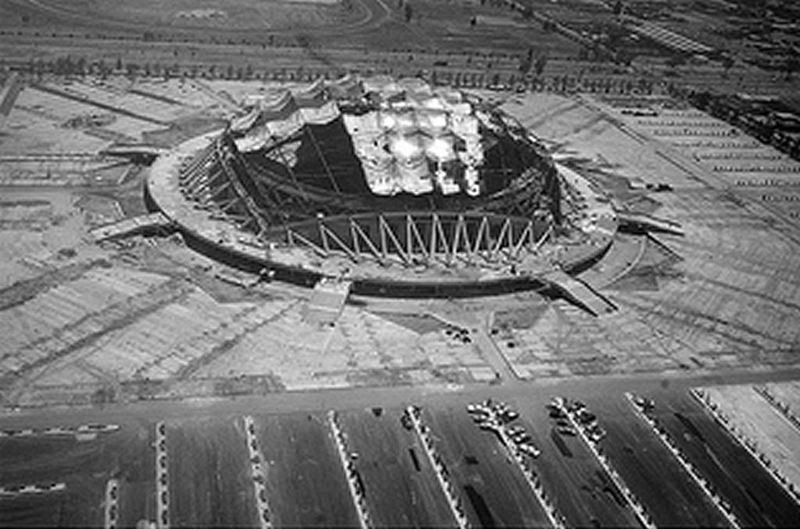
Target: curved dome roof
x=385 y=137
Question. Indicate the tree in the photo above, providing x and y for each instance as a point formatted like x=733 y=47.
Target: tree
x=132 y=68
x=676 y=60
x=408 y=12
x=727 y=64
x=792 y=65
x=540 y=63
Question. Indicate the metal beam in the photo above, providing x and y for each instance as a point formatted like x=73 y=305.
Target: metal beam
x=482 y=229
x=499 y=242
x=438 y=230
x=341 y=244
x=372 y=248
x=239 y=188
x=324 y=162
x=413 y=233
x=526 y=234
x=462 y=239
x=388 y=230
x=293 y=235
x=322 y=236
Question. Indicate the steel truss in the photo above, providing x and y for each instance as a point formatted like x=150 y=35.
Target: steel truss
x=421 y=238
x=221 y=180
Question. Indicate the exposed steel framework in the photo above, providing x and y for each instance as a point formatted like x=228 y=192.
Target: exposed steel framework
x=421 y=238
x=502 y=228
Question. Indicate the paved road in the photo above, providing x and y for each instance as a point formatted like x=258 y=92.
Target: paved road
x=359 y=398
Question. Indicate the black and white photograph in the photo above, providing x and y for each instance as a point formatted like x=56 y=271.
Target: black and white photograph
x=400 y=264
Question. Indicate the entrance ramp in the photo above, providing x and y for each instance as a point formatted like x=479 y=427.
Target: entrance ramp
x=327 y=301
x=579 y=293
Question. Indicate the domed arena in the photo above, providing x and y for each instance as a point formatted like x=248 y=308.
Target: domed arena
x=391 y=184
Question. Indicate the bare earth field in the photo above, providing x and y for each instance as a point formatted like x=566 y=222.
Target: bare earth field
x=191 y=14
x=694 y=301
x=261 y=29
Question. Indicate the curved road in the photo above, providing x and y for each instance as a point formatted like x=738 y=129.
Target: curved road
x=376 y=13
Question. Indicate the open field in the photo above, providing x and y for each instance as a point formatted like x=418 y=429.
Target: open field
x=756 y=171
x=192 y=15
x=92 y=332
x=316 y=27
x=681 y=305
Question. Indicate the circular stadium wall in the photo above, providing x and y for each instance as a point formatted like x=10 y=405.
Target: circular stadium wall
x=398 y=188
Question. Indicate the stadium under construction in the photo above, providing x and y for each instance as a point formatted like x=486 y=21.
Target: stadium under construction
x=388 y=185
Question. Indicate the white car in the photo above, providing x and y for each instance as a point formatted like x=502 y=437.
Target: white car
x=93 y=427
x=521 y=438
x=489 y=425
x=530 y=450
x=479 y=418
x=57 y=430
x=478 y=409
